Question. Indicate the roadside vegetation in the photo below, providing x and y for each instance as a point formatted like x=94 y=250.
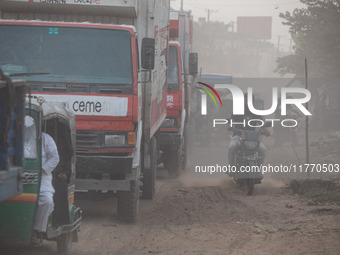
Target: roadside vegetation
x=324 y=196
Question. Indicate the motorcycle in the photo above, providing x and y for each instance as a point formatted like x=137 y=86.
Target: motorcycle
x=247 y=159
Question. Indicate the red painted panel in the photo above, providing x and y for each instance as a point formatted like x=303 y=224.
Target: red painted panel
x=174 y=100
x=24 y=198
x=174 y=28
x=173 y=113
x=104 y=125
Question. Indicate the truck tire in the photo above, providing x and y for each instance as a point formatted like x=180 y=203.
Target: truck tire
x=64 y=243
x=149 y=174
x=128 y=202
x=174 y=163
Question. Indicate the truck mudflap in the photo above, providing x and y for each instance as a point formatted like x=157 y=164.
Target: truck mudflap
x=104 y=164
x=170 y=138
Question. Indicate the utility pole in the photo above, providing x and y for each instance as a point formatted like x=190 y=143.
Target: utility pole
x=181 y=5
x=210 y=11
x=278 y=45
x=307 y=123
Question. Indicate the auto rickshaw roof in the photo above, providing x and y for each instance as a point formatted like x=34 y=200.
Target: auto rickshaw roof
x=15 y=83
x=52 y=110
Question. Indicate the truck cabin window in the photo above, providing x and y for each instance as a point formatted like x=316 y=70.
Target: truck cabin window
x=173 y=77
x=67 y=54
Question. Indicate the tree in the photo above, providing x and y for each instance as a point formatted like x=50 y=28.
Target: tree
x=315 y=30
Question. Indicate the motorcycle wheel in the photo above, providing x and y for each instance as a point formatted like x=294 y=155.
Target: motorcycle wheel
x=249 y=186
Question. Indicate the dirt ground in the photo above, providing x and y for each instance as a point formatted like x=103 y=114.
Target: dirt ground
x=210 y=214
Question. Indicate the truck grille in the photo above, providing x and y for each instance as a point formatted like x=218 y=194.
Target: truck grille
x=87 y=139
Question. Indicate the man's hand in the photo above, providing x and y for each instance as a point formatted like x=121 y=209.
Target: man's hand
x=62 y=176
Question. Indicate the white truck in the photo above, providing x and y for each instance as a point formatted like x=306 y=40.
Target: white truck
x=106 y=60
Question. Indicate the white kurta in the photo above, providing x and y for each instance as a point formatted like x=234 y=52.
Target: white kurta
x=50 y=159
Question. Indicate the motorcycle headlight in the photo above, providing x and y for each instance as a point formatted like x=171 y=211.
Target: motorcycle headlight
x=251 y=145
x=168 y=123
x=114 y=139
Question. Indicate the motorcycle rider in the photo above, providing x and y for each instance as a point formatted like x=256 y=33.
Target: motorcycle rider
x=235 y=140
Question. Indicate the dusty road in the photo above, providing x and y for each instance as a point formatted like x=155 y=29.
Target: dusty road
x=213 y=219
x=203 y=214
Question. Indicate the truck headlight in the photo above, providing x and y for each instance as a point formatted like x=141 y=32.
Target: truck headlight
x=114 y=139
x=168 y=123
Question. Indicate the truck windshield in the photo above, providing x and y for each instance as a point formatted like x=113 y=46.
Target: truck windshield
x=173 y=77
x=67 y=54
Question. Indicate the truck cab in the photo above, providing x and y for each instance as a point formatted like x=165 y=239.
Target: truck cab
x=171 y=132
x=182 y=70
x=106 y=62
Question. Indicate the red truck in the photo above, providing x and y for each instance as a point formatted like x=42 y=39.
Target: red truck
x=106 y=61
x=182 y=69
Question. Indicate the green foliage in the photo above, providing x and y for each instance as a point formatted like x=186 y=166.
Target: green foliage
x=315 y=30
x=324 y=195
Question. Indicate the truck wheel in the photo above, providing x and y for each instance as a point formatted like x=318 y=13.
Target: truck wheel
x=128 y=203
x=174 y=163
x=149 y=175
x=64 y=243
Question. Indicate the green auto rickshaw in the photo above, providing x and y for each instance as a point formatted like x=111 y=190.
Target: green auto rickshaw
x=17 y=214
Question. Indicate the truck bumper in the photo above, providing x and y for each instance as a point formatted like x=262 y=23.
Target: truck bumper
x=84 y=184
x=170 y=138
x=104 y=164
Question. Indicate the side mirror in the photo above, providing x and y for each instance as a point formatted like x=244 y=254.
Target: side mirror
x=193 y=63
x=148 y=53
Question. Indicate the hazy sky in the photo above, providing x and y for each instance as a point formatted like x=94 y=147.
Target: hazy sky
x=228 y=10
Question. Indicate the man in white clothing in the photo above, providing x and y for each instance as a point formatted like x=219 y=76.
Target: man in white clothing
x=50 y=159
